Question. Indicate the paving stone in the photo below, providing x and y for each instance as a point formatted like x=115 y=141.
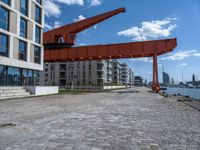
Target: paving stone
x=118 y=120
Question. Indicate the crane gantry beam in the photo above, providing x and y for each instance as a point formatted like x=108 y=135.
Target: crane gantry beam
x=110 y=51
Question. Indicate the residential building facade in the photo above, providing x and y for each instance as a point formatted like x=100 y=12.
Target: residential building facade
x=83 y=73
x=21 y=50
x=138 y=81
x=64 y=74
x=124 y=73
x=116 y=72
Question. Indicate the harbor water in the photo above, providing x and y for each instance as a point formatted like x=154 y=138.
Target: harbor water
x=193 y=93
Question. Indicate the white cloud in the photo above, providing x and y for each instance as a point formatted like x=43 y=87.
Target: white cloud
x=48 y=26
x=182 y=65
x=149 y=72
x=145 y=59
x=196 y=54
x=95 y=2
x=180 y=55
x=80 y=17
x=150 y=29
x=71 y=2
x=51 y=8
x=57 y=24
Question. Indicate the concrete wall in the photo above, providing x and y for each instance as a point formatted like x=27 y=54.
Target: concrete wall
x=42 y=90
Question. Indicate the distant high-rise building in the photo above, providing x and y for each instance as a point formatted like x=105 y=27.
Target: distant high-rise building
x=193 y=78
x=166 y=79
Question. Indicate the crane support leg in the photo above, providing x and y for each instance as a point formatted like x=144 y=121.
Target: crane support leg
x=155 y=86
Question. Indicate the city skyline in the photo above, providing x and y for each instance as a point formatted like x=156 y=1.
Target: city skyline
x=142 y=21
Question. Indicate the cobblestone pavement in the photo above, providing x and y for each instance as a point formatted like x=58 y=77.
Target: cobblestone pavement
x=118 y=120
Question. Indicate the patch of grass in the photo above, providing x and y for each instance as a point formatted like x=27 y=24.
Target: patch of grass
x=78 y=92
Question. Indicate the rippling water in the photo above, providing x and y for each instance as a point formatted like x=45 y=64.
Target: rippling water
x=194 y=93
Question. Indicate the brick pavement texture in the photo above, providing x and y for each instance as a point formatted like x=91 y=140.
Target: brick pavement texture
x=118 y=120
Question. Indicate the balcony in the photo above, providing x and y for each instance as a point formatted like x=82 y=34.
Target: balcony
x=63 y=69
x=63 y=76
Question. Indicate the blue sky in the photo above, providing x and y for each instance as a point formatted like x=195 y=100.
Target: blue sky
x=143 y=20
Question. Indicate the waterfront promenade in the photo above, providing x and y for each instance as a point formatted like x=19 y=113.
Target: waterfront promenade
x=118 y=120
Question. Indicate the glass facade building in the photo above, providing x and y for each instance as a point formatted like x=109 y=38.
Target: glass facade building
x=21 y=49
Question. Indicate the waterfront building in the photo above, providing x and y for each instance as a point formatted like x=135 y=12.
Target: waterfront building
x=116 y=72
x=21 y=50
x=166 y=79
x=65 y=74
x=138 y=81
x=131 y=77
x=84 y=73
x=125 y=73
x=193 y=78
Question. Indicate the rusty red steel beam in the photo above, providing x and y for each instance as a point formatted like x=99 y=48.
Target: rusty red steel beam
x=69 y=31
x=111 y=51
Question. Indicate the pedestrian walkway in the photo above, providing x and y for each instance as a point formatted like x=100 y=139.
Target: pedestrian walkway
x=117 y=120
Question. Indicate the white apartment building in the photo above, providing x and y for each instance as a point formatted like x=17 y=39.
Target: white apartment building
x=21 y=50
x=116 y=72
x=92 y=73
x=64 y=74
x=127 y=75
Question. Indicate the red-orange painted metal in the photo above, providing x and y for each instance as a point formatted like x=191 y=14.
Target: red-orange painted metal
x=61 y=52
x=68 y=32
x=112 y=51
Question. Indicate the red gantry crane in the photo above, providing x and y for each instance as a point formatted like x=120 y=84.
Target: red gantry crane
x=59 y=45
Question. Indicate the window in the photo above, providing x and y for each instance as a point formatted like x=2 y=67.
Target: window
x=39 y=1
x=23 y=27
x=4 y=18
x=24 y=7
x=37 y=53
x=22 y=50
x=30 y=77
x=37 y=34
x=24 y=77
x=3 y=74
x=37 y=14
x=14 y=76
x=6 y=1
x=3 y=45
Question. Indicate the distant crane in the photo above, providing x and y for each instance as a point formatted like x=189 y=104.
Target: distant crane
x=59 y=42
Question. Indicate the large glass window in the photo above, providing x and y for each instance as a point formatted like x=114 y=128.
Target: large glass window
x=30 y=77
x=22 y=50
x=14 y=76
x=37 y=14
x=37 y=34
x=3 y=75
x=39 y=1
x=24 y=7
x=4 y=18
x=37 y=54
x=3 y=45
x=25 y=77
x=23 y=27
x=6 y=1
